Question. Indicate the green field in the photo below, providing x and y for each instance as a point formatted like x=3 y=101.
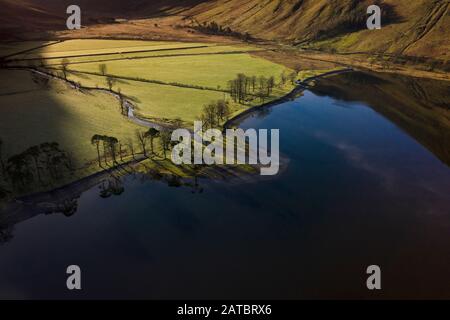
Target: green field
x=169 y=102
x=92 y=47
x=202 y=50
x=210 y=67
x=163 y=88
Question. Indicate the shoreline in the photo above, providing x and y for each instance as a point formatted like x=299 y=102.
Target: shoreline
x=101 y=174
x=300 y=87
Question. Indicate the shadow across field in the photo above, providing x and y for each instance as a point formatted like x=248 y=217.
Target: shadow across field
x=32 y=128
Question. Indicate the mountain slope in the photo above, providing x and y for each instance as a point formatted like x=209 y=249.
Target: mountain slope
x=418 y=27
x=410 y=27
x=21 y=16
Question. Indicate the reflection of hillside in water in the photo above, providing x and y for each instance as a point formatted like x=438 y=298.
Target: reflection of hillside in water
x=421 y=107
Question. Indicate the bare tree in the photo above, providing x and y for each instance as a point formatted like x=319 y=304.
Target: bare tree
x=34 y=153
x=270 y=85
x=142 y=138
x=262 y=83
x=65 y=67
x=253 y=80
x=95 y=140
x=283 y=78
x=261 y=94
x=166 y=139
x=110 y=81
x=293 y=77
x=223 y=110
x=130 y=145
x=209 y=115
x=103 y=69
x=152 y=133
x=120 y=151
x=123 y=107
x=112 y=144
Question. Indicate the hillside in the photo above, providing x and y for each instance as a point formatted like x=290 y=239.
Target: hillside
x=21 y=17
x=416 y=28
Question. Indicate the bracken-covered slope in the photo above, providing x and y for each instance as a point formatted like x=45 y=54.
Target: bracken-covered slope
x=413 y=27
x=410 y=27
x=19 y=17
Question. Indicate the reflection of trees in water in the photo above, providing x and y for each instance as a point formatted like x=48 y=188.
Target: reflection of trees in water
x=340 y=86
x=196 y=188
x=174 y=180
x=263 y=112
x=6 y=233
x=68 y=207
x=65 y=200
x=111 y=187
x=362 y=78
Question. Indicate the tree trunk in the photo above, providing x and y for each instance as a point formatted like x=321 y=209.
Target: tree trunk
x=143 y=150
x=37 y=170
x=132 y=151
x=105 y=154
x=98 y=154
x=120 y=152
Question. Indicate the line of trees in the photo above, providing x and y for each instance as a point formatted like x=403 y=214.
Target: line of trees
x=164 y=137
x=216 y=29
x=243 y=87
x=42 y=164
x=111 y=187
x=214 y=113
x=289 y=77
x=111 y=148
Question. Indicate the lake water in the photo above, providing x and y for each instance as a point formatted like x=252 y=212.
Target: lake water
x=359 y=190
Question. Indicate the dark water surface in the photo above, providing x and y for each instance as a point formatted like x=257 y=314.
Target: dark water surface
x=359 y=190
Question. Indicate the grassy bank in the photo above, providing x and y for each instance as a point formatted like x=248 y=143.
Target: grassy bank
x=36 y=109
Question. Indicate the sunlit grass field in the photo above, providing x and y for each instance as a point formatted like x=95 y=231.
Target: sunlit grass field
x=154 y=101
x=82 y=58
x=62 y=50
x=158 y=101
x=31 y=114
x=210 y=67
x=85 y=50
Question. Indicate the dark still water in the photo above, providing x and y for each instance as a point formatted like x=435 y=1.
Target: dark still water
x=359 y=190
